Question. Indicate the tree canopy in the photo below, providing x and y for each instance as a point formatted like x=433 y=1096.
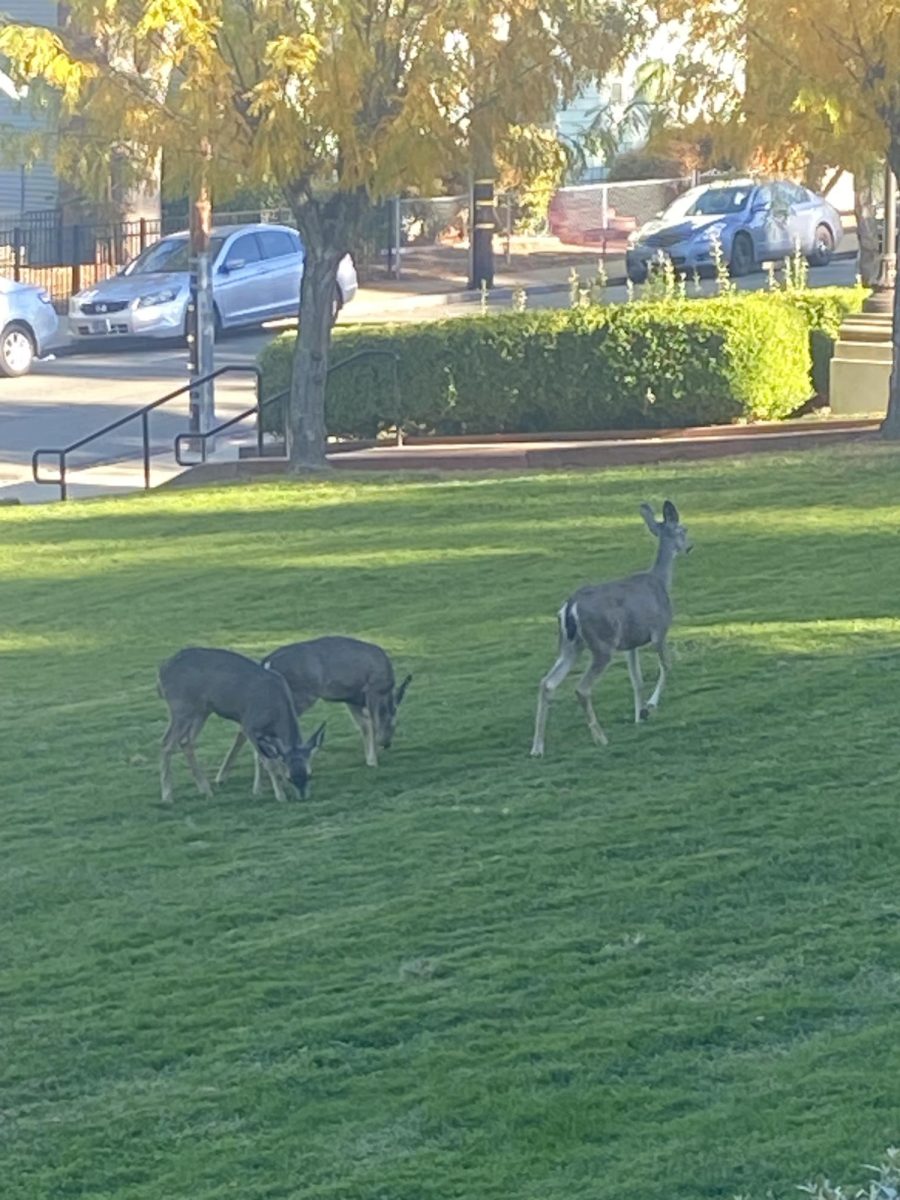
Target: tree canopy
x=339 y=102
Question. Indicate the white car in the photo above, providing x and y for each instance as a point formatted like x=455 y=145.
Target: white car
x=28 y=325
x=256 y=273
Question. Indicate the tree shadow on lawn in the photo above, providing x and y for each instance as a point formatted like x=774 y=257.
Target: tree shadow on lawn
x=820 y=481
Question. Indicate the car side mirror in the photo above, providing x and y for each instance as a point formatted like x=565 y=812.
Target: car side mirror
x=761 y=207
x=233 y=264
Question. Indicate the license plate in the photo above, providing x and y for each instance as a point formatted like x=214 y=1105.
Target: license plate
x=100 y=326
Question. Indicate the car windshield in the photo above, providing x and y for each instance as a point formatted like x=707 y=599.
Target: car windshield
x=171 y=254
x=708 y=202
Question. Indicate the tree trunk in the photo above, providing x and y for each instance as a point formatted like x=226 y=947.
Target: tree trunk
x=306 y=432
x=328 y=226
x=866 y=226
x=890 y=426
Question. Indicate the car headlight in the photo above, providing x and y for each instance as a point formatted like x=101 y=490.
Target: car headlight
x=44 y=296
x=710 y=232
x=162 y=297
x=634 y=237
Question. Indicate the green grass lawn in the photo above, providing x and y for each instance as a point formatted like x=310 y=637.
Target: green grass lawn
x=668 y=969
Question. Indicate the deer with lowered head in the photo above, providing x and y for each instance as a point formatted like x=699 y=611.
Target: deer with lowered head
x=198 y=681
x=345 y=671
x=622 y=615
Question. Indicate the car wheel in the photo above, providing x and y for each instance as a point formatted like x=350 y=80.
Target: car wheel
x=17 y=350
x=823 y=248
x=742 y=261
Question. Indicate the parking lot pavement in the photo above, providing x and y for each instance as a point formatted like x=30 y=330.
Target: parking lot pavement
x=74 y=395
x=77 y=393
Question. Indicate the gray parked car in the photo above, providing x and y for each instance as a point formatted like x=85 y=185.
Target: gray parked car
x=28 y=326
x=256 y=273
x=753 y=222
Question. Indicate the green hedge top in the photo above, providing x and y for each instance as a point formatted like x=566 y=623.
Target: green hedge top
x=648 y=364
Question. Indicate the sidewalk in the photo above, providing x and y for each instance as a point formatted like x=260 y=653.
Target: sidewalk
x=437 y=276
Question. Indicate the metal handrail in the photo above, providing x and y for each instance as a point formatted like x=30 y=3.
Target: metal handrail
x=144 y=415
x=257 y=408
x=202 y=437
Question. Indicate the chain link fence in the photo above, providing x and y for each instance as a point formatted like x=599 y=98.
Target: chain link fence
x=421 y=235
x=604 y=214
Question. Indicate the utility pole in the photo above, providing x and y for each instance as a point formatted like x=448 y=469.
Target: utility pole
x=201 y=319
x=882 y=298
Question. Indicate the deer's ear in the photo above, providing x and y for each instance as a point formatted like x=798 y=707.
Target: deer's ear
x=268 y=746
x=670 y=513
x=646 y=512
x=315 y=742
x=401 y=690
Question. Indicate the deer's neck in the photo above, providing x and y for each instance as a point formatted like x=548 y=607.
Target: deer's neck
x=664 y=564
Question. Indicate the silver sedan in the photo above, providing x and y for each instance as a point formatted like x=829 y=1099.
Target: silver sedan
x=28 y=326
x=256 y=274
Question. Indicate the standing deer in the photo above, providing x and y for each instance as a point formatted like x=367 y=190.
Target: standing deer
x=343 y=670
x=621 y=615
x=197 y=682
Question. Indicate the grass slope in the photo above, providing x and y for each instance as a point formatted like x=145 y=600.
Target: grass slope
x=668 y=969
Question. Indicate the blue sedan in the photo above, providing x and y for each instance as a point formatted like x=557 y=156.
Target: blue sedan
x=752 y=222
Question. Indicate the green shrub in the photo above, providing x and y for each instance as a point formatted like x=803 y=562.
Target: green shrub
x=656 y=364
x=824 y=310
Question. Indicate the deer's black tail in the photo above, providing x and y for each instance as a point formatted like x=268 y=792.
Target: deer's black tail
x=568 y=620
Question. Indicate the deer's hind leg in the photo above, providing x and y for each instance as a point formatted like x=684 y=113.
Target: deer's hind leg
x=182 y=732
x=168 y=748
x=600 y=660
x=569 y=653
x=188 y=743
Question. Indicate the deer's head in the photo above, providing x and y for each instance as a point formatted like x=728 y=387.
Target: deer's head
x=669 y=530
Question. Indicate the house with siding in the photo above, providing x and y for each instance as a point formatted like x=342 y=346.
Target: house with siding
x=24 y=187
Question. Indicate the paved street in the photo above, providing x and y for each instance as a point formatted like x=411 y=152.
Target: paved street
x=73 y=395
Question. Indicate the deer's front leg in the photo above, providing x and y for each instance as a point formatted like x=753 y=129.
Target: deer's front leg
x=637 y=684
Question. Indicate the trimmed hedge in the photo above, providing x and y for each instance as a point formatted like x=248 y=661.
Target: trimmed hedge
x=824 y=310
x=623 y=366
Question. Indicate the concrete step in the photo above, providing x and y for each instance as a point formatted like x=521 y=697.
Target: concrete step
x=865 y=333
x=859 y=387
x=876 y=317
x=880 y=352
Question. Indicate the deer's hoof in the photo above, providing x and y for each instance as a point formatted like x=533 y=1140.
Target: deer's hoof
x=537 y=751
x=645 y=713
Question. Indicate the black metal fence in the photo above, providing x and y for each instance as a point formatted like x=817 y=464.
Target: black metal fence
x=51 y=251
x=46 y=249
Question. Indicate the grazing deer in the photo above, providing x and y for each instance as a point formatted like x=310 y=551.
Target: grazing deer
x=622 y=615
x=342 y=670
x=197 y=681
